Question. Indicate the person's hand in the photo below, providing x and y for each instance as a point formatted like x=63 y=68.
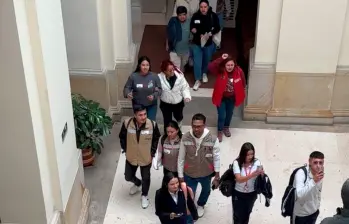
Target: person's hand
x=318 y=177
x=193 y=30
x=181 y=180
x=257 y=172
x=172 y=215
x=209 y=34
x=201 y=35
x=225 y=56
x=130 y=95
x=187 y=100
x=150 y=97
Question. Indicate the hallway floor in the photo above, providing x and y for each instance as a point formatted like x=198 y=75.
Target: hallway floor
x=279 y=147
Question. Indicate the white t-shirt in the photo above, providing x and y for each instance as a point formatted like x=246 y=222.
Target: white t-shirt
x=246 y=187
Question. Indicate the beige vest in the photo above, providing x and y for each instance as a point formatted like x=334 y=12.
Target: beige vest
x=138 y=153
x=170 y=154
x=198 y=163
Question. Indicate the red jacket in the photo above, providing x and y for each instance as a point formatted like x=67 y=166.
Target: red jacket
x=222 y=80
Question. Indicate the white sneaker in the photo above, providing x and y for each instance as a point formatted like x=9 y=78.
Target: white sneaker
x=196 y=85
x=201 y=211
x=134 y=189
x=145 y=202
x=204 y=78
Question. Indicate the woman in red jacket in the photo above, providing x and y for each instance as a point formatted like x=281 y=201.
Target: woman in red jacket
x=229 y=91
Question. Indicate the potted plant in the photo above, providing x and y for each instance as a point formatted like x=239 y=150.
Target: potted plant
x=91 y=124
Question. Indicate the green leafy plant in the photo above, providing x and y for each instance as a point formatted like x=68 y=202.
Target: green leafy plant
x=91 y=123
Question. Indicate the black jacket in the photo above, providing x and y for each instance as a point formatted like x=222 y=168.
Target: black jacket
x=263 y=186
x=204 y=24
x=164 y=205
x=123 y=136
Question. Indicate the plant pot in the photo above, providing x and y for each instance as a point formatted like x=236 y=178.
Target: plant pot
x=88 y=157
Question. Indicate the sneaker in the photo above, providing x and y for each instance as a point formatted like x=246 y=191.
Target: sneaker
x=145 y=202
x=196 y=85
x=218 y=47
x=204 y=78
x=201 y=211
x=226 y=132
x=134 y=189
x=220 y=136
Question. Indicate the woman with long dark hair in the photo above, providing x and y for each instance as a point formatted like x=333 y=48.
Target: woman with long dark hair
x=229 y=91
x=175 y=92
x=246 y=169
x=174 y=202
x=143 y=87
x=168 y=149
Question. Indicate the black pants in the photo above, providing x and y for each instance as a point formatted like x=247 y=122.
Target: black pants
x=171 y=109
x=310 y=219
x=242 y=206
x=130 y=175
x=166 y=171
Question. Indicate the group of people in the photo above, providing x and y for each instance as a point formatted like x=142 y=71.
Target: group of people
x=193 y=158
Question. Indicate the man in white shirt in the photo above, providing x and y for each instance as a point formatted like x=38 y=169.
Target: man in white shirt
x=308 y=190
x=199 y=159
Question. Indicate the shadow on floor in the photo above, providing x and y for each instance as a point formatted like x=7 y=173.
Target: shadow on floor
x=99 y=178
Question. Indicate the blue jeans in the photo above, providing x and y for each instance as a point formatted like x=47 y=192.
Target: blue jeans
x=205 y=183
x=221 y=20
x=202 y=56
x=225 y=112
x=190 y=219
x=151 y=111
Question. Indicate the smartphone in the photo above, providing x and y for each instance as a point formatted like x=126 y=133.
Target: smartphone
x=260 y=167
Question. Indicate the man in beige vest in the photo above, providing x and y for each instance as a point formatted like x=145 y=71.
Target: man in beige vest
x=139 y=137
x=199 y=159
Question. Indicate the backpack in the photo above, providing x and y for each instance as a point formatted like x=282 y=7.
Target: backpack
x=289 y=197
x=227 y=182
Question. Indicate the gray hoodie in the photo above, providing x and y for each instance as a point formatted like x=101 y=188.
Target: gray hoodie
x=141 y=87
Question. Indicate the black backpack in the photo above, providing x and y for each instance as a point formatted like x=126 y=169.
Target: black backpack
x=287 y=203
x=227 y=182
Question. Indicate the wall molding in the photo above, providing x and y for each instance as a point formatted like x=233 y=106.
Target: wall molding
x=85 y=207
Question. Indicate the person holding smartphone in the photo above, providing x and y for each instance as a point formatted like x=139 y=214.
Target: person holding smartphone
x=246 y=169
x=308 y=190
x=174 y=202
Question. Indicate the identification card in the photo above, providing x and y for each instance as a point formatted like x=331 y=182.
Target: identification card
x=167 y=151
x=197 y=21
x=139 y=85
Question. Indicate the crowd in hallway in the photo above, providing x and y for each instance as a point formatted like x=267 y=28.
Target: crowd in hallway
x=193 y=158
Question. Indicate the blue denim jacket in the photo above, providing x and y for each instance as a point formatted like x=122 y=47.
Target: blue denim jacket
x=174 y=33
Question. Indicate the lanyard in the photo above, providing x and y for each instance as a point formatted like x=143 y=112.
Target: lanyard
x=247 y=173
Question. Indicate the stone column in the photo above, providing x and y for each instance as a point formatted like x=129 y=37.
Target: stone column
x=301 y=66
x=35 y=94
x=124 y=54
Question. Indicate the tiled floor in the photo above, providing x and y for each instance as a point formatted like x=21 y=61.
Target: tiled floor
x=279 y=151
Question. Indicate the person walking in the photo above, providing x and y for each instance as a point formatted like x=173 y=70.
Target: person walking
x=199 y=160
x=204 y=24
x=220 y=13
x=168 y=149
x=143 y=87
x=178 y=38
x=228 y=92
x=246 y=169
x=308 y=187
x=139 y=138
x=342 y=216
x=174 y=202
x=175 y=92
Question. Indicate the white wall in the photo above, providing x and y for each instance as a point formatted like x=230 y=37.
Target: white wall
x=343 y=59
x=81 y=32
x=23 y=200
x=310 y=35
x=58 y=90
x=268 y=29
